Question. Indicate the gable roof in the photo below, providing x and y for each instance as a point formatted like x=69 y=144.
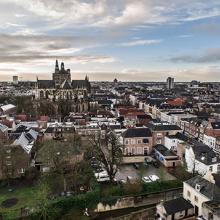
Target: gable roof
x=176 y=205
x=205 y=154
x=26 y=140
x=65 y=85
x=7 y=107
x=207 y=188
x=137 y=132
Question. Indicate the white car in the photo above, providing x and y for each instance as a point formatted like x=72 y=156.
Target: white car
x=146 y=179
x=102 y=176
x=154 y=178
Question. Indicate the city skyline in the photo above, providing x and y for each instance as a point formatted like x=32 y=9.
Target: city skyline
x=132 y=40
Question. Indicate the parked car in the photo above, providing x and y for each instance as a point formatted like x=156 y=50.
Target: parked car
x=136 y=166
x=154 y=178
x=102 y=176
x=151 y=178
x=156 y=164
x=146 y=179
x=148 y=160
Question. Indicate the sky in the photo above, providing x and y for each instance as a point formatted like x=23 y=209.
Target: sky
x=131 y=40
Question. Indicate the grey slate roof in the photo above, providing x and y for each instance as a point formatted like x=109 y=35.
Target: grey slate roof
x=65 y=85
x=177 y=205
x=164 y=127
x=208 y=189
x=163 y=150
x=79 y=84
x=45 y=84
x=204 y=154
x=49 y=84
x=179 y=136
x=137 y=132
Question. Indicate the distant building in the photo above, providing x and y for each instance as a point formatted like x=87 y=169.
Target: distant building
x=115 y=80
x=15 y=79
x=62 y=88
x=170 y=83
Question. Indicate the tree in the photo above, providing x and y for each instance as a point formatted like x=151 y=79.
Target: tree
x=108 y=151
x=43 y=201
x=61 y=156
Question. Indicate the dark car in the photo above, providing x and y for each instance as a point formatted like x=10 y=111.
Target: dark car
x=136 y=165
x=156 y=164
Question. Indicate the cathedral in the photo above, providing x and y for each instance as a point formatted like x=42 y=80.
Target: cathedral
x=62 y=88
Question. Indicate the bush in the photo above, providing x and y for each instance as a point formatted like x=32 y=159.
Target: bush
x=133 y=188
x=161 y=186
x=112 y=191
x=180 y=173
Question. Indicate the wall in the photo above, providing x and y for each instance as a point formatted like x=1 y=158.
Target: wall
x=191 y=198
x=137 y=201
x=133 y=159
x=206 y=211
x=132 y=145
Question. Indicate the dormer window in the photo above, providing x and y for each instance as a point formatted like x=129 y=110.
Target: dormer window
x=214 y=159
x=198 y=187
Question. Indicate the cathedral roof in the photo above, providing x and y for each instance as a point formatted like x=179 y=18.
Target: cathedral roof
x=66 y=85
x=79 y=84
x=45 y=84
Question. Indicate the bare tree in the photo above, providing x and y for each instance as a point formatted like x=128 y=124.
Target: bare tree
x=108 y=151
x=60 y=156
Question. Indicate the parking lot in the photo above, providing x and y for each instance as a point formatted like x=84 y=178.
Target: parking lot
x=135 y=174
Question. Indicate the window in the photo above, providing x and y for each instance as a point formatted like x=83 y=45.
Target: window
x=126 y=142
x=159 y=141
x=196 y=199
x=139 y=141
x=145 y=141
x=188 y=193
x=211 y=168
x=133 y=141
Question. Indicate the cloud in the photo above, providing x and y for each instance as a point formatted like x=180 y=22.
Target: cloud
x=207 y=28
x=29 y=52
x=107 y=14
x=209 y=56
x=139 y=43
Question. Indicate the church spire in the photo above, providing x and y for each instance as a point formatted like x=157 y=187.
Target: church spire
x=56 y=67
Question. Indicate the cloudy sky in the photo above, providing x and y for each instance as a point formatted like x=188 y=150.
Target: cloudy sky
x=132 y=40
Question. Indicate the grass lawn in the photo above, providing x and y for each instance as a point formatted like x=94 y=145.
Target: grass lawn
x=25 y=195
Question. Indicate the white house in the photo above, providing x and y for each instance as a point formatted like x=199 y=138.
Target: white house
x=175 y=209
x=201 y=158
x=198 y=190
x=172 y=141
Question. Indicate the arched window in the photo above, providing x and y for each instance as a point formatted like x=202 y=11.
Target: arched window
x=210 y=217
